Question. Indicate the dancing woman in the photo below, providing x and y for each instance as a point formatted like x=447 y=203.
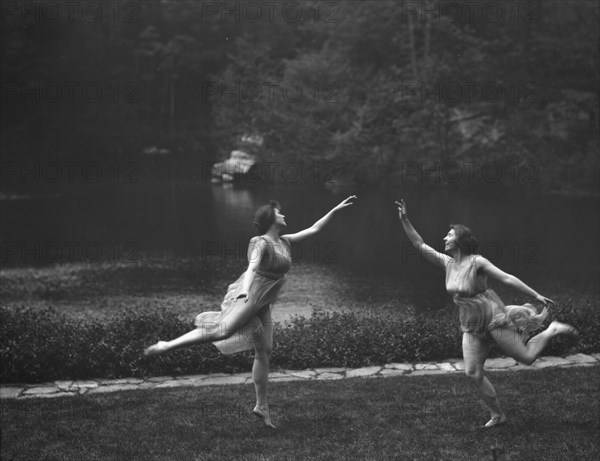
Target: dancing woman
x=244 y=322
x=483 y=316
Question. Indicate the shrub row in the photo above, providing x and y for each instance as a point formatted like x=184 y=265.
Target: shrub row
x=45 y=345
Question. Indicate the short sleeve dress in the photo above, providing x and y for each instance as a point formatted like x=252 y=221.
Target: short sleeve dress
x=269 y=279
x=480 y=309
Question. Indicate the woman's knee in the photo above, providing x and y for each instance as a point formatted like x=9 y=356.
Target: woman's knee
x=474 y=374
x=263 y=351
x=525 y=359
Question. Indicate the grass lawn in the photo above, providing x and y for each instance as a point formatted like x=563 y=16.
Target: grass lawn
x=553 y=415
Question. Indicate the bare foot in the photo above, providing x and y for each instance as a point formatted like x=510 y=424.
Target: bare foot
x=157 y=348
x=262 y=411
x=563 y=329
x=495 y=421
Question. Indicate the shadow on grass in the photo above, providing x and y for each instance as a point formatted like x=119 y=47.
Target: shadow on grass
x=553 y=414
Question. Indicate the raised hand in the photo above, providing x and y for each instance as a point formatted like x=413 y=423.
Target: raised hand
x=345 y=203
x=402 y=212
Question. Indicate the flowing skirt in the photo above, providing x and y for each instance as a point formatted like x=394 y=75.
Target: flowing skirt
x=483 y=312
x=262 y=293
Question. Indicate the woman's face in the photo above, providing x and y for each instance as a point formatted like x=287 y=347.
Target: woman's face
x=279 y=218
x=450 y=240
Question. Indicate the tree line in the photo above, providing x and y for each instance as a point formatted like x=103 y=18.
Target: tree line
x=377 y=88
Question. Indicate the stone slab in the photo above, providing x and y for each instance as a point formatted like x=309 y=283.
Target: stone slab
x=581 y=358
x=330 y=370
x=327 y=376
x=427 y=372
x=220 y=380
x=159 y=379
x=460 y=366
x=426 y=366
x=10 y=392
x=448 y=367
x=392 y=372
x=545 y=362
x=361 y=372
x=84 y=385
x=306 y=374
x=41 y=390
x=500 y=362
x=50 y=396
x=64 y=385
x=399 y=366
x=125 y=381
x=115 y=388
x=282 y=379
x=277 y=374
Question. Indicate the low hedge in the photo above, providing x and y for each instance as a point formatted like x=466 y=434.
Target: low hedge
x=45 y=345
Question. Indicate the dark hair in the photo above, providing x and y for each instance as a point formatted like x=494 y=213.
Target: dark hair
x=465 y=240
x=265 y=216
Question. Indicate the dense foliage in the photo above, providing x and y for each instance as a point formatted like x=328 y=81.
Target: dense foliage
x=383 y=90
x=43 y=345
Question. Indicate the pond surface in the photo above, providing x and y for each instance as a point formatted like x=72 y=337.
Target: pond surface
x=547 y=240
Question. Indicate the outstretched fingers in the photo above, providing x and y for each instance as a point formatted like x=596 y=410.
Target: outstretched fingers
x=401 y=207
x=346 y=202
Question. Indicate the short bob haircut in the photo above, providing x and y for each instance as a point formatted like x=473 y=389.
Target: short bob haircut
x=465 y=240
x=265 y=216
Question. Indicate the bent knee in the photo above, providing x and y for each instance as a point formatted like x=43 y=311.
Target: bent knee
x=526 y=360
x=474 y=375
x=263 y=350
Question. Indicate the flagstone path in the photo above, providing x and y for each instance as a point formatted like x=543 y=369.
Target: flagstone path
x=98 y=386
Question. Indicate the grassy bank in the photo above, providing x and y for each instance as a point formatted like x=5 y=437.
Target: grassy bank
x=93 y=321
x=553 y=415
x=187 y=286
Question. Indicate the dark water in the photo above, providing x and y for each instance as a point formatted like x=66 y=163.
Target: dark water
x=540 y=238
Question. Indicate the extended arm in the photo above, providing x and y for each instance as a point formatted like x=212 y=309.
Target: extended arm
x=510 y=280
x=432 y=255
x=316 y=227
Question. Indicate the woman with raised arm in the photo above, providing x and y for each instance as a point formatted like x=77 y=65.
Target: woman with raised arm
x=483 y=316
x=244 y=322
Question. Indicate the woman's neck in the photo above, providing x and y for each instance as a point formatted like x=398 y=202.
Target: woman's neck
x=273 y=234
x=459 y=256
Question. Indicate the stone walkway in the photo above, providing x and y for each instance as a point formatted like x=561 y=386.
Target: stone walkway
x=99 y=386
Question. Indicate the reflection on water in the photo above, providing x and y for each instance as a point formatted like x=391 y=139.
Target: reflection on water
x=234 y=209
x=549 y=239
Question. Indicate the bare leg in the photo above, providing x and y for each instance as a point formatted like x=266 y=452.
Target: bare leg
x=260 y=369
x=514 y=344
x=210 y=331
x=475 y=352
x=202 y=334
